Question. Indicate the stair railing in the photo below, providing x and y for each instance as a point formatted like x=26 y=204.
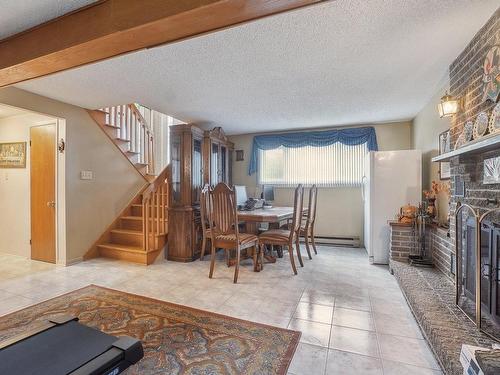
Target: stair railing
x=133 y=128
x=154 y=209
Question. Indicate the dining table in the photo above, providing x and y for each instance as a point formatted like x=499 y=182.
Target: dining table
x=274 y=216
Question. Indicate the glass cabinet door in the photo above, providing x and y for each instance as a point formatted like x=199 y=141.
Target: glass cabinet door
x=214 y=164
x=175 y=153
x=223 y=164
x=196 y=170
x=230 y=168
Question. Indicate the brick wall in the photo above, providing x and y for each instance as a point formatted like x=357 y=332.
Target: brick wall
x=402 y=241
x=466 y=74
x=402 y=244
x=442 y=249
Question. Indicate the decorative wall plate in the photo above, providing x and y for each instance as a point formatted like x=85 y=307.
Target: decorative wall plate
x=494 y=125
x=460 y=140
x=481 y=125
x=468 y=131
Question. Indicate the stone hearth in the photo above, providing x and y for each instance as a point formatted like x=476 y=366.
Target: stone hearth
x=431 y=296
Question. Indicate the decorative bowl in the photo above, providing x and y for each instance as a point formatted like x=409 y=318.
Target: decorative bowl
x=481 y=125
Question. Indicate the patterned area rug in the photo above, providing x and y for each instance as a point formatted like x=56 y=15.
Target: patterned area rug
x=176 y=339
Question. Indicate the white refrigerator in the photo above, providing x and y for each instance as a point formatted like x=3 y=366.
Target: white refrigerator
x=392 y=179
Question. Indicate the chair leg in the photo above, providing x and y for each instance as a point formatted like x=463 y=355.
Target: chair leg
x=212 y=261
x=203 y=245
x=299 y=255
x=237 y=268
x=306 y=238
x=312 y=240
x=255 y=258
x=279 y=250
x=262 y=248
x=292 y=260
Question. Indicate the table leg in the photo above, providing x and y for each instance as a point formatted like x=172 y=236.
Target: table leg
x=252 y=227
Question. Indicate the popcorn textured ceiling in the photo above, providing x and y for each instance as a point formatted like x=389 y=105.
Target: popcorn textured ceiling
x=337 y=63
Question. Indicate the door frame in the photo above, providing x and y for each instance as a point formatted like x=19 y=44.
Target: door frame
x=60 y=187
x=61 y=192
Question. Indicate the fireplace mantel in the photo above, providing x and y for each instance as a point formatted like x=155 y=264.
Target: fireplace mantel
x=478 y=146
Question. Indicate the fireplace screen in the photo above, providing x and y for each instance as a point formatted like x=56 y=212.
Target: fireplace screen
x=489 y=238
x=465 y=275
x=477 y=275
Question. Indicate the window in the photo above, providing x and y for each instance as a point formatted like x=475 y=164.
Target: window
x=334 y=165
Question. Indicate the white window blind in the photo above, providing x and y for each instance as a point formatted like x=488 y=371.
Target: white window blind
x=334 y=165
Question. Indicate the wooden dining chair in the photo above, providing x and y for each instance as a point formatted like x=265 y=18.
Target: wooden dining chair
x=224 y=230
x=307 y=227
x=204 y=215
x=287 y=237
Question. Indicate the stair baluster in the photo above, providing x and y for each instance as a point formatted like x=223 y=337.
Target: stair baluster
x=154 y=207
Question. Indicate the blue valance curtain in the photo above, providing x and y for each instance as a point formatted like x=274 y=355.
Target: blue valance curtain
x=350 y=136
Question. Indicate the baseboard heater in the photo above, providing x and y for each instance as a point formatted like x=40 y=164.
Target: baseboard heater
x=350 y=241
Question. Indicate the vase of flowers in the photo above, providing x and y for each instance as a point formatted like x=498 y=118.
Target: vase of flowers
x=431 y=196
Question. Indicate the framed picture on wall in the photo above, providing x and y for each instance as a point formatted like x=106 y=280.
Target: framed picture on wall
x=239 y=155
x=13 y=155
x=444 y=147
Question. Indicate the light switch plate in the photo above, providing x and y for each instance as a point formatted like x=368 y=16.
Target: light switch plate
x=86 y=175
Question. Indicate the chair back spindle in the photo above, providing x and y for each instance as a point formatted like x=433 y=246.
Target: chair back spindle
x=224 y=216
x=313 y=198
x=297 y=210
x=205 y=207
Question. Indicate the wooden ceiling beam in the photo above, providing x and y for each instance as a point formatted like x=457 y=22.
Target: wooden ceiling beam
x=113 y=27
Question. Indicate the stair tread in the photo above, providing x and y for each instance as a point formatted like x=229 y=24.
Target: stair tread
x=122 y=139
x=131 y=249
x=140 y=205
x=131 y=218
x=127 y=231
x=138 y=218
x=111 y=126
x=111 y=245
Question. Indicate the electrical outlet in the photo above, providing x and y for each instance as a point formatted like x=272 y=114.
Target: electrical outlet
x=86 y=175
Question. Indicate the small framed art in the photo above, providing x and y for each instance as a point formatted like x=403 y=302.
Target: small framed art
x=444 y=147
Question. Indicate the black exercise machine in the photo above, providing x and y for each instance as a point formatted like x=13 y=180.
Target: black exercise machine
x=63 y=346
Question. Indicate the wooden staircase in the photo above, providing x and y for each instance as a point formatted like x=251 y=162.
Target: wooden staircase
x=131 y=133
x=140 y=232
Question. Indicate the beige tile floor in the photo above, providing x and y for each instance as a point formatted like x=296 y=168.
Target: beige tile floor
x=353 y=317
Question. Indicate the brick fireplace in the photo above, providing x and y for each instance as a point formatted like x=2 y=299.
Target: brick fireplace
x=446 y=310
x=467 y=185
x=466 y=74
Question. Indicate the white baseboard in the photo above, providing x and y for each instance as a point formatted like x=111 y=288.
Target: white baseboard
x=338 y=240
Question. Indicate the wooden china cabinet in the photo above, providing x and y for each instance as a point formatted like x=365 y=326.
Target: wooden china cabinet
x=218 y=157
x=196 y=157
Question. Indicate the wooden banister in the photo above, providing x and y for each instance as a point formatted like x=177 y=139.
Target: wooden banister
x=154 y=209
x=133 y=128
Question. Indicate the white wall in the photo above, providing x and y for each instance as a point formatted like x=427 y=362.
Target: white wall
x=15 y=224
x=425 y=132
x=91 y=206
x=340 y=210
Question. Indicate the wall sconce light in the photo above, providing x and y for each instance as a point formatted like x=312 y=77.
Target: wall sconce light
x=448 y=106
